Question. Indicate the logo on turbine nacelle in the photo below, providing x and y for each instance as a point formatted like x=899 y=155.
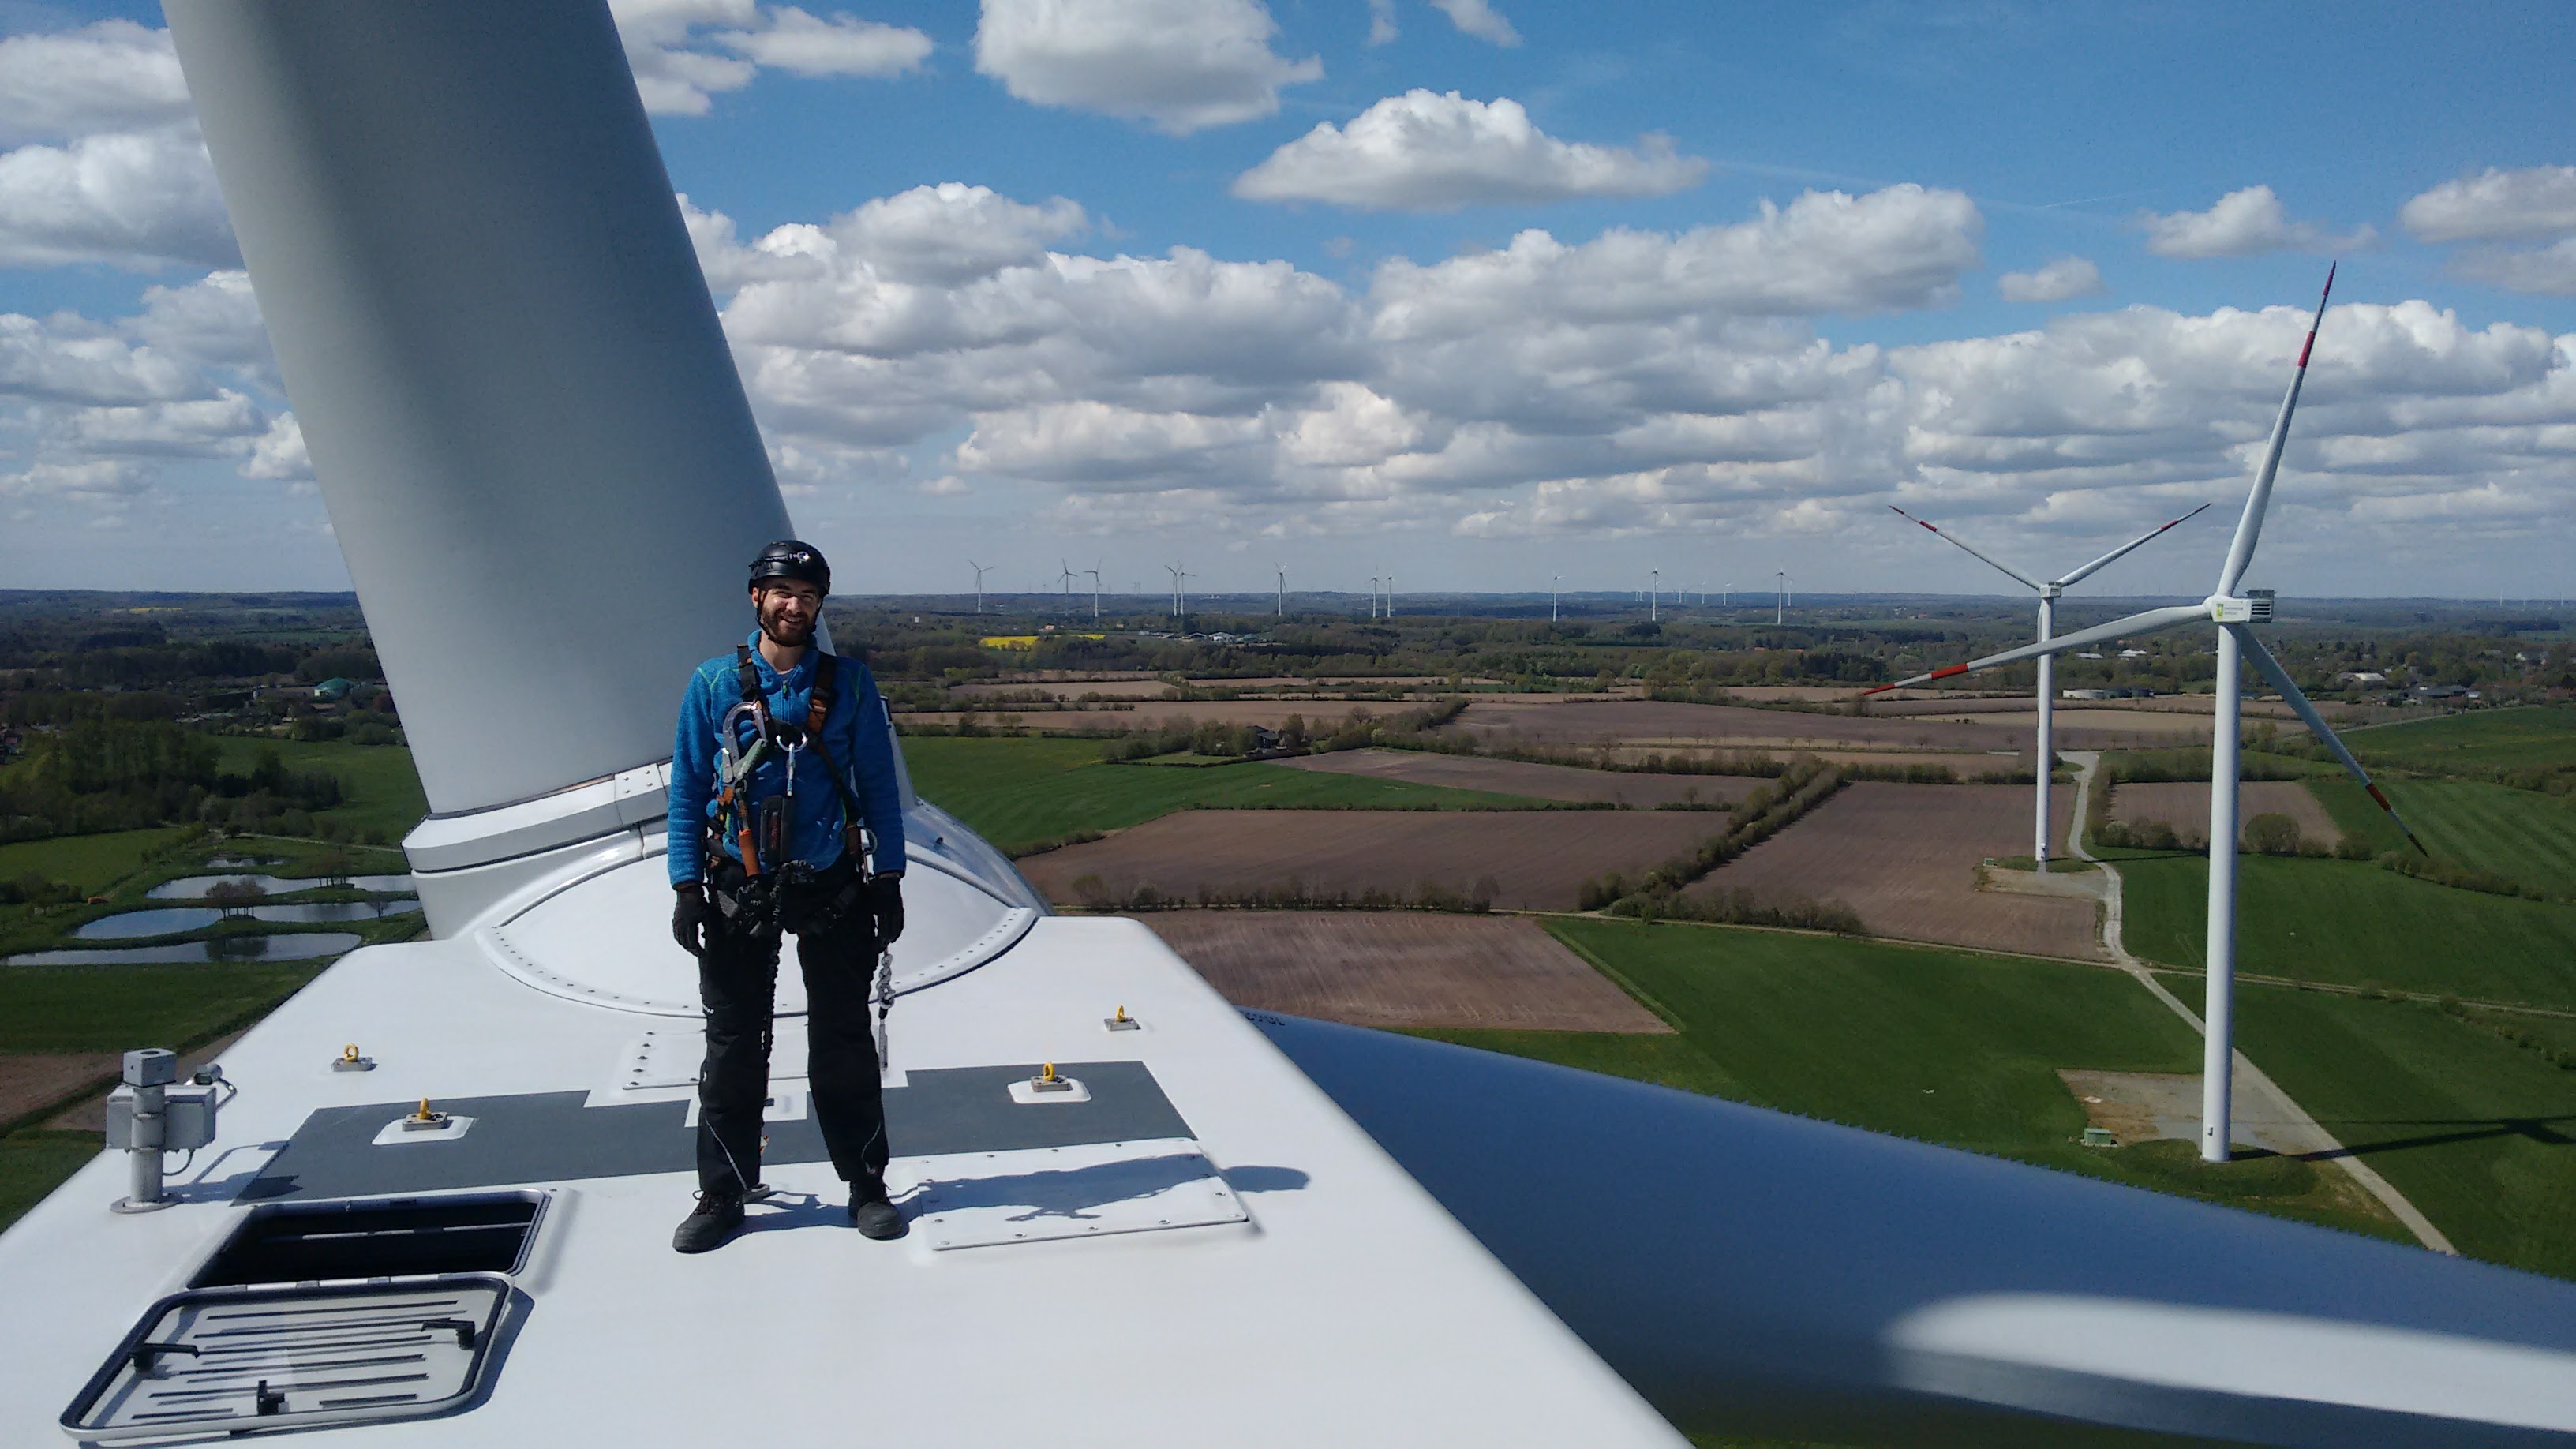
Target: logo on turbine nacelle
x=2254 y=608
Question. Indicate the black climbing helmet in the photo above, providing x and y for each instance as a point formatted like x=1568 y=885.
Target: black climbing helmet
x=790 y=558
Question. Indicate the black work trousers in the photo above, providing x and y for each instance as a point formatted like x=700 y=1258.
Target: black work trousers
x=738 y=984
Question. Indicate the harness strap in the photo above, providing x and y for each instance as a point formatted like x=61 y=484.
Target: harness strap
x=818 y=711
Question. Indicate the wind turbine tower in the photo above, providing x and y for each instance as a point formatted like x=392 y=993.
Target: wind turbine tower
x=1280 y=609
x=1093 y=574
x=1780 y=599
x=1654 y=595
x=2233 y=614
x=980 y=571
x=2049 y=593
x=1552 y=580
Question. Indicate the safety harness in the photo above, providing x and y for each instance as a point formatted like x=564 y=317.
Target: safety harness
x=760 y=835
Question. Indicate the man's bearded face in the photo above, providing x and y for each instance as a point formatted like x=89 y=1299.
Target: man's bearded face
x=788 y=609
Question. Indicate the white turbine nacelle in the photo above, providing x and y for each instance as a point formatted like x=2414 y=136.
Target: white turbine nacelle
x=2255 y=607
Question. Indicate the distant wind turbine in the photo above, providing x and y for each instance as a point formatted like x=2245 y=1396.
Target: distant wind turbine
x=1551 y=596
x=1654 y=595
x=980 y=571
x=1281 y=608
x=1064 y=577
x=1093 y=574
x=2233 y=614
x=1780 y=600
x=2049 y=593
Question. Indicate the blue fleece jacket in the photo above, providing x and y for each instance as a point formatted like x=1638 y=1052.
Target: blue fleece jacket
x=856 y=733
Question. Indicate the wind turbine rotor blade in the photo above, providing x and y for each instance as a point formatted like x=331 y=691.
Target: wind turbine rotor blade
x=2086 y=572
x=2240 y=553
x=2015 y=574
x=2148 y=622
x=2279 y=678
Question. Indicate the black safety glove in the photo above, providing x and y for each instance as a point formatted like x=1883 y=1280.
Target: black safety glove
x=691 y=919
x=885 y=903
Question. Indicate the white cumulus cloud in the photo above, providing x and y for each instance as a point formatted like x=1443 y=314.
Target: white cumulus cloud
x=114 y=75
x=1479 y=19
x=685 y=53
x=1382 y=29
x=1179 y=65
x=62 y=361
x=807 y=45
x=108 y=167
x=1424 y=151
x=2549 y=270
x=1827 y=251
x=2244 y=223
x=2061 y=280
x=2531 y=204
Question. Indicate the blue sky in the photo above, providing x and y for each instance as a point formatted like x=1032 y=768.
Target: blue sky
x=1657 y=374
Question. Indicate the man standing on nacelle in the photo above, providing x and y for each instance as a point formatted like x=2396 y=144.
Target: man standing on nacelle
x=783 y=787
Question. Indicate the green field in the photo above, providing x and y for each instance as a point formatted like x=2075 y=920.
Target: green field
x=381 y=790
x=114 y=1008
x=2526 y=837
x=2478 y=1132
x=2536 y=736
x=90 y=863
x=2351 y=923
x=1942 y=1046
x=1020 y=793
x=34 y=1163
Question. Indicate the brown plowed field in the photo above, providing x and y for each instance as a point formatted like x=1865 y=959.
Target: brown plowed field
x=1400 y=968
x=29 y=1080
x=1518 y=777
x=2184 y=805
x=1536 y=858
x=1657 y=723
x=1966 y=767
x=1905 y=858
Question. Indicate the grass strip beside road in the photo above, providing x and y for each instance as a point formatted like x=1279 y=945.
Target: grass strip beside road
x=1942 y=1046
x=1026 y=792
x=2349 y=923
x=2476 y=1129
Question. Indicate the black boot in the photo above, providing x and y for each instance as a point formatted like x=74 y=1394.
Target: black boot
x=872 y=1214
x=709 y=1224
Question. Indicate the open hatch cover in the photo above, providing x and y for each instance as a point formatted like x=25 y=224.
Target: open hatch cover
x=236 y=1360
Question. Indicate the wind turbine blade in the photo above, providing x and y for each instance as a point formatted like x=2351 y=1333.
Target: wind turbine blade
x=2027 y=583
x=2148 y=622
x=2271 y=670
x=2248 y=528
x=2086 y=572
